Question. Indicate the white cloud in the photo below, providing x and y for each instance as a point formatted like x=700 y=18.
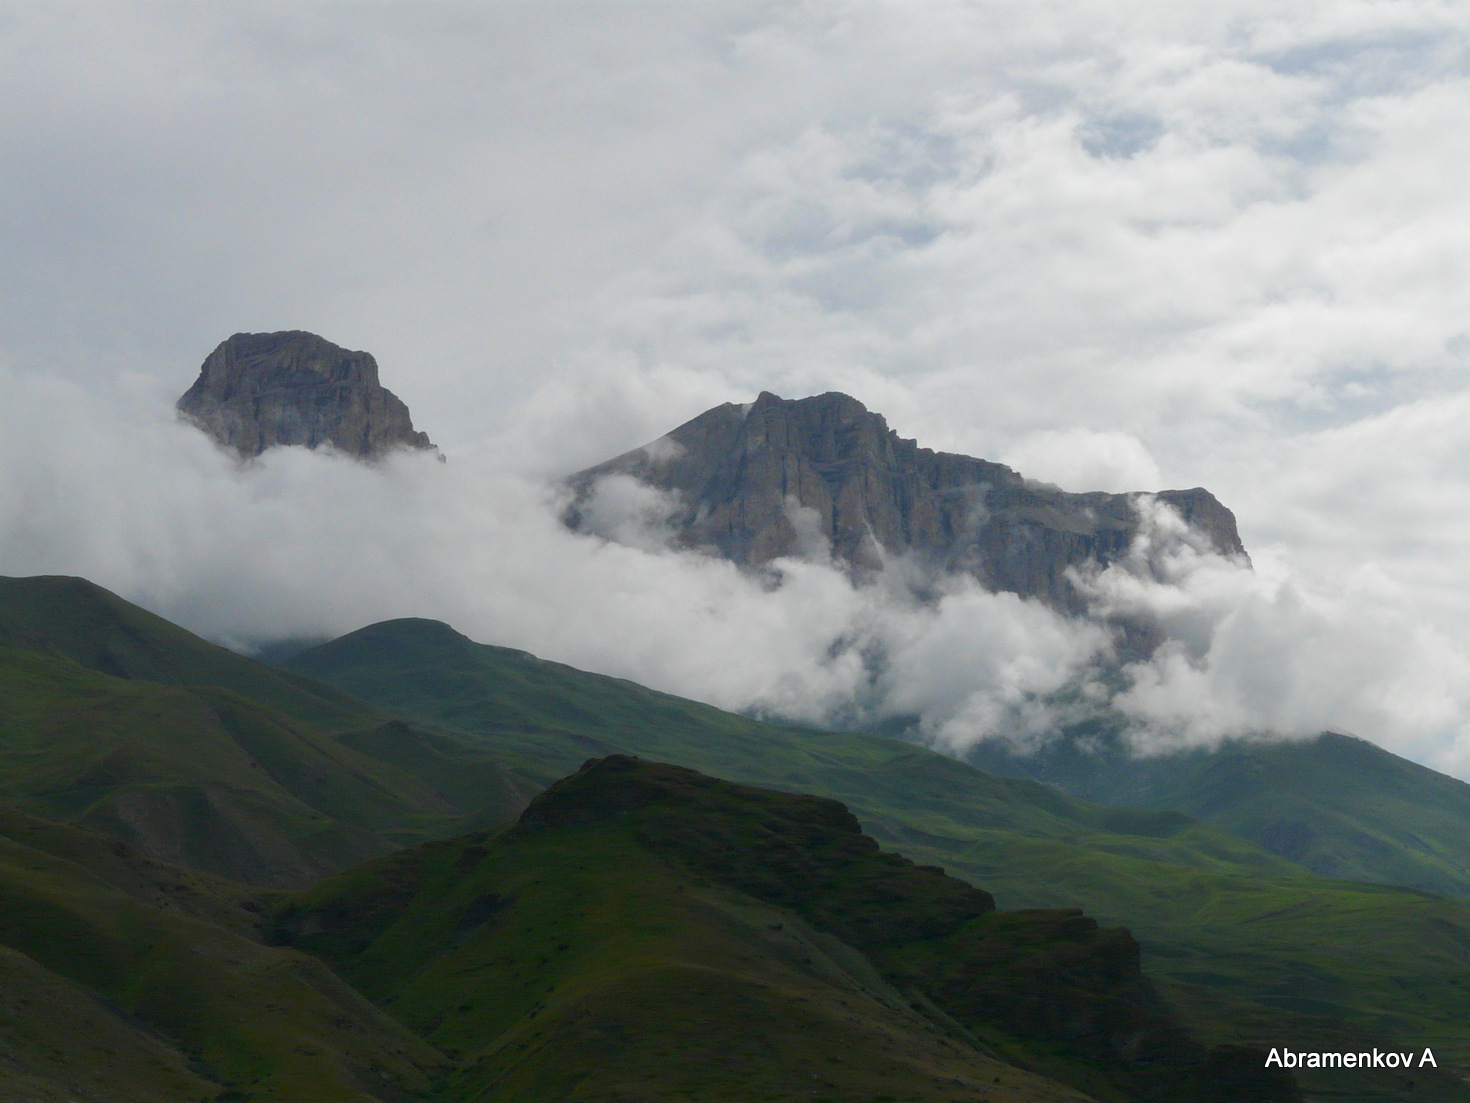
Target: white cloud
x=1262 y=653
x=1125 y=245
x=1083 y=459
x=301 y=544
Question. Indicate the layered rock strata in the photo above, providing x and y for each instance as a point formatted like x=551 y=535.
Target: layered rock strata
x=771 y=479
x=261 y=390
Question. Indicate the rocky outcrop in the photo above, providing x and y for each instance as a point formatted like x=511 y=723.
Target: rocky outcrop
x=781 y=477
x=259 y=390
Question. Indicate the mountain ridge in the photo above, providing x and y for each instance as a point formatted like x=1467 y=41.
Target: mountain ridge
x=1335 y=804
x=116 y=719
x=1252 y=947
x=1052 y=992
x=757 y=482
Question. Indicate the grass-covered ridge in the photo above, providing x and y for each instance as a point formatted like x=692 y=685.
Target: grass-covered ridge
x=1249 y=944
x=115 y=719
x=543 y=719
x=1337 y=805
x=636 y=906
x=123 y=979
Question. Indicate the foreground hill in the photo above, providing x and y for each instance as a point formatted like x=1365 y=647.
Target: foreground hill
x=126 y=980
x=643 y=933
x=648 y=933
x=1252 y=947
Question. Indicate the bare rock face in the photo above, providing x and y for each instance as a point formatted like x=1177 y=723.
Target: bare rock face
x=753 y=483
x=259 y=390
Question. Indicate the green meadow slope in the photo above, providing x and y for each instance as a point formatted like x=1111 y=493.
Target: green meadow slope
x=126 y=980
x=648 y=933
x=543 y=719
x=117 y=720
x=1250 y=946
x=114 y=720
x=96 y=629
x=1339 y=806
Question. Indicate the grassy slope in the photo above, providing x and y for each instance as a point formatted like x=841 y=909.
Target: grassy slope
x=581 y=968
x=115 y=718
x=201 y=777
x=647 y=933
x=1339 y=806
x=100 y=631
x=1306 y=961
x=544 y=719
x=1244 y=941
x=1233 y=949
x=115 y=986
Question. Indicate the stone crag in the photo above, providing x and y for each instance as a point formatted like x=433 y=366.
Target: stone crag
x=260 y=390
x=757 y=482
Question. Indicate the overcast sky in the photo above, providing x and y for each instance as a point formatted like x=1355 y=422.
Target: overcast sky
x=1122 y=245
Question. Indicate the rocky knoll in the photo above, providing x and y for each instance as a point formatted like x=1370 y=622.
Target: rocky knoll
x=778 y=477
x=259 y=390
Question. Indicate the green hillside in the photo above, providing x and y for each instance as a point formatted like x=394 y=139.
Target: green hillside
x=1339 y=806
x=115 y=719
x=123 y=980
x=79 y=620
x=181 y=760
x=544 y=719
x=1249 y=945
x=648 y=933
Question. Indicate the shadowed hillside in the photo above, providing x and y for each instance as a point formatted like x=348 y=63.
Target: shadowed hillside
x=770 y=922
x=126 y=980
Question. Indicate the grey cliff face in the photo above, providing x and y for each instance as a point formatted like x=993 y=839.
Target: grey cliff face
x=259 y=390
x=754 y=482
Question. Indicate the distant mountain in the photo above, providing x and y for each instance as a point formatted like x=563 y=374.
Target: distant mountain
x=646 y=932
x=756 y=482
x=259 y=390
x=1340 y=806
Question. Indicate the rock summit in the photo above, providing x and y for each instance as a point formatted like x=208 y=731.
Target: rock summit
x=757 y=482
x=259 y=390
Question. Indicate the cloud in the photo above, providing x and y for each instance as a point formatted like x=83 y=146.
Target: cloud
x=1126 y=245
x=626 y=511
x=306 y=544
x=1259 y=654
x=1082 y=459
x=110 y=486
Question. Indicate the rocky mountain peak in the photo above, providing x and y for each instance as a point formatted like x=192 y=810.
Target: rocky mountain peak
x=782 y=477
x=259 y=390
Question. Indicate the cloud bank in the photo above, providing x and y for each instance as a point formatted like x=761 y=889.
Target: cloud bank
x=1126 y=245
x=310 y=544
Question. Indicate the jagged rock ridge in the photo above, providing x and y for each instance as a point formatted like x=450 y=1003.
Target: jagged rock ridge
x=757 y=482
x=259 y=390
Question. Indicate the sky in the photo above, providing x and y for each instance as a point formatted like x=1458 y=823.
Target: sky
x=1119 y=246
